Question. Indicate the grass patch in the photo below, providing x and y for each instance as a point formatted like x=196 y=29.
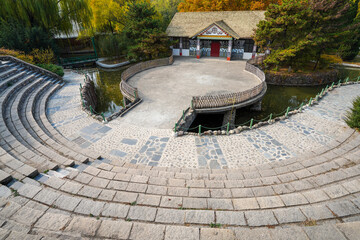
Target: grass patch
x=310 y=223
x=133 y=203
x=15 y=192
x=215 y=225
x=353 y=116
x=52 y=68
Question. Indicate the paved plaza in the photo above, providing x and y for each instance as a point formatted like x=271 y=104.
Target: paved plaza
x=319 y=126
x=65 y=175
x=167 y=91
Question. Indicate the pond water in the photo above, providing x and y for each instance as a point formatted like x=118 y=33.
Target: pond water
x=276 y=100
x=107 y=89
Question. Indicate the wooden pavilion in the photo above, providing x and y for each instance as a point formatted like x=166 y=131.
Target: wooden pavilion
x=225 y=34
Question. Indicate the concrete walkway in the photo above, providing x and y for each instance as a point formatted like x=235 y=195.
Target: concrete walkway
x=167 y=91
x=53 y=188
x=318 y=127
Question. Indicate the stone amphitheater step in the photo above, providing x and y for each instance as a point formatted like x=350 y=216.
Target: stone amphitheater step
x=8 y=72
x=114 y=199
x=37 y=132
x=25 y=136
x=39 y=113
x=335 y=171
x=5 y=66
x=332 y=180
x=12 y=79
x=221 y=198
x=8 y=141
x=46 y=209
x=57 y=224
x=14 y=167
x=5 y=178
x=290 y=169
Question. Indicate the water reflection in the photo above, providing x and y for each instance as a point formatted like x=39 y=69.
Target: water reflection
x=276 y=100
x=110 y=99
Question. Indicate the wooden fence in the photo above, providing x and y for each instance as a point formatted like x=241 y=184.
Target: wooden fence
x=225 y=100
x=130 y=92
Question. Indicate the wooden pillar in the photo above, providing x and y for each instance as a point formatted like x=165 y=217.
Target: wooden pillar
x=254 y=51
x=181 y=46
x=229 y=50
x=198 y=52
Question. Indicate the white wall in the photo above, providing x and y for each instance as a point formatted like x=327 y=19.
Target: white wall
x=186 y=52
x=176 y=52
x=247 y=55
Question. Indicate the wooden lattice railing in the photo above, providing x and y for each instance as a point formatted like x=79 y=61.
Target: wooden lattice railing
x=130 y=92
x=224 y=100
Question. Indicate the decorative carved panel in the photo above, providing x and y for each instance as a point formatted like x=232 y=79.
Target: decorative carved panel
x=214 y=31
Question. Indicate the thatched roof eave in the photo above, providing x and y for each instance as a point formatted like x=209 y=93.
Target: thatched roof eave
x=238 y=24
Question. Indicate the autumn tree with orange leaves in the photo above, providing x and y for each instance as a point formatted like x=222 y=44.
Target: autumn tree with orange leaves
x=224 y=5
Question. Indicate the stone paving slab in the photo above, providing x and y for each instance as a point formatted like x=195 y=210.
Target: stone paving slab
x=153 y=185
x=266 y=144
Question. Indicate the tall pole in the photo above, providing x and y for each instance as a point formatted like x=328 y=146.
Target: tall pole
x=254 y=51
x=93 y=43
x=198 y=49
x=181 y=46
x=229 y=50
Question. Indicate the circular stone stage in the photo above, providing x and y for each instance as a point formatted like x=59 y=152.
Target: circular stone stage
x=123 y=139
x=167 y=91
x=295 y=179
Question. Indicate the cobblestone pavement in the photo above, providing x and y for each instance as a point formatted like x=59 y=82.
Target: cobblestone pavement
x=318 y=126
x=296 y=179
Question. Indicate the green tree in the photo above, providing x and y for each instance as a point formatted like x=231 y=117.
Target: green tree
x=333 y=23
x=112 y=45
x=143 y=26
x=225 y=5
x=300 y=32
x=286 y=31
x=156 y=45
x=29 y=24
x=14 y=35
x=55 y=16
x=142 y=20
x=166 y=9
x=349 y=48
x=108 y=15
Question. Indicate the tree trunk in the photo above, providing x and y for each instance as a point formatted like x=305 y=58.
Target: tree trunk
x=111 y=27
x=317 y=61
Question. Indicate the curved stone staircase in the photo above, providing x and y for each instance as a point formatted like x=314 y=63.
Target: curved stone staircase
x=54 y=189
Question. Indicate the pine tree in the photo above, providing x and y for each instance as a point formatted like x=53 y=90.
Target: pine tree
x=300 y=32
x=141 y=21
x=224 y=5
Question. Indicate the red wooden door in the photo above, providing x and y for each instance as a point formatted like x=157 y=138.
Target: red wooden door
x=215 y=49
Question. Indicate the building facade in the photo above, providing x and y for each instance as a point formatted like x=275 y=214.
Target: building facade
x=225 y=34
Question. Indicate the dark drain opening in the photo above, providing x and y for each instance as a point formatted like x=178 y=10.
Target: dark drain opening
x=208 y=121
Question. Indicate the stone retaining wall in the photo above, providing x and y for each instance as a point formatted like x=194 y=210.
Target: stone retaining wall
x=30 y=66
x=306 y=79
